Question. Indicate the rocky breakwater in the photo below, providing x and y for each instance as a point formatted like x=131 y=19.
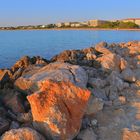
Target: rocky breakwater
x=89 y=94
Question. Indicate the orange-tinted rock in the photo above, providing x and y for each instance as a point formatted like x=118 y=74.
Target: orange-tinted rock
x=130 y=135
x=22 y=134
x=30 y=81
x=123 y=64
x=101 y=47
x=58 y=109
x=110 y=61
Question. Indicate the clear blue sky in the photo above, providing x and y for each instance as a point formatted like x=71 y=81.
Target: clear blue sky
x=25 y=12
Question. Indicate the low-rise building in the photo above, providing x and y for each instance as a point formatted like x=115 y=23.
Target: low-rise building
x=67 y=24
x=95 y=23
x=134 y=20
x=59 y=25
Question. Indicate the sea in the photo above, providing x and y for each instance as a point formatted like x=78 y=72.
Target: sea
x=47 y=43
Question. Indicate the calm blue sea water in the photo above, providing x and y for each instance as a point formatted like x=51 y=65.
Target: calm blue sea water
x=15 y=44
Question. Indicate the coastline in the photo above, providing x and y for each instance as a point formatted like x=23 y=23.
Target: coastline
x=92 y=29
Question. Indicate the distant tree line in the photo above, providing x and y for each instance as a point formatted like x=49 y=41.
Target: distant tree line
x=119 y=25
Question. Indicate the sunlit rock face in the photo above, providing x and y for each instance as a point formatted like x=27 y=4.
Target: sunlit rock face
x=22 y=134
x=130 y=135
x=30 y=81
x=58 y=109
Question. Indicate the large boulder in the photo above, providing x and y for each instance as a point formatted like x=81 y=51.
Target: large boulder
x=22 y=134
x=30 y=81
x=58 y=109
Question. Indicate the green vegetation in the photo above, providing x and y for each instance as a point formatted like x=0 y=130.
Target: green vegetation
x=119 y=25
x=106 y=25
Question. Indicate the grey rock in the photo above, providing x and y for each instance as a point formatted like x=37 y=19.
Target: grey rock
x=128 y=75
x=94 y=105
x=87 y=134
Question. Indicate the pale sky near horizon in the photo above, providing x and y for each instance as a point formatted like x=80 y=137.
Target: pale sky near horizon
x=34 y=12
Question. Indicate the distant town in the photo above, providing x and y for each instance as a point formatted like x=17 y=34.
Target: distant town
x=130 y=23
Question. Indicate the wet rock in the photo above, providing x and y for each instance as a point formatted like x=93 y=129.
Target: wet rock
x=128 y=75
x=58 y=109
x=30 y=82
x=86 y=134
x=4 y=125
x=22 y=134
x=94 y=105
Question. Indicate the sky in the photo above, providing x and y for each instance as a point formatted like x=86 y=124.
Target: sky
x=35 y=12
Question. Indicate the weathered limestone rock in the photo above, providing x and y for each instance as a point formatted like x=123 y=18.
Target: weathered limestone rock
x=123 y=64
x=58 y=109
x=110 y=61
x=128 y=75
x=115 y=81
x=87 y=134
x=94 y=105
x=130 y=135
x=96 y=82
x=101 y=47
x=30 y=81
x=25 y=61
x=22 y=134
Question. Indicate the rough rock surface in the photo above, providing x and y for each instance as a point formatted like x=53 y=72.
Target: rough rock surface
x=130 y=135
x=58 y=109
x=22 y=134
x=30 y=81
x=86 y=134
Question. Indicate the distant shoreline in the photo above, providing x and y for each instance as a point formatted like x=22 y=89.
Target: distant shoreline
x=93 y=29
